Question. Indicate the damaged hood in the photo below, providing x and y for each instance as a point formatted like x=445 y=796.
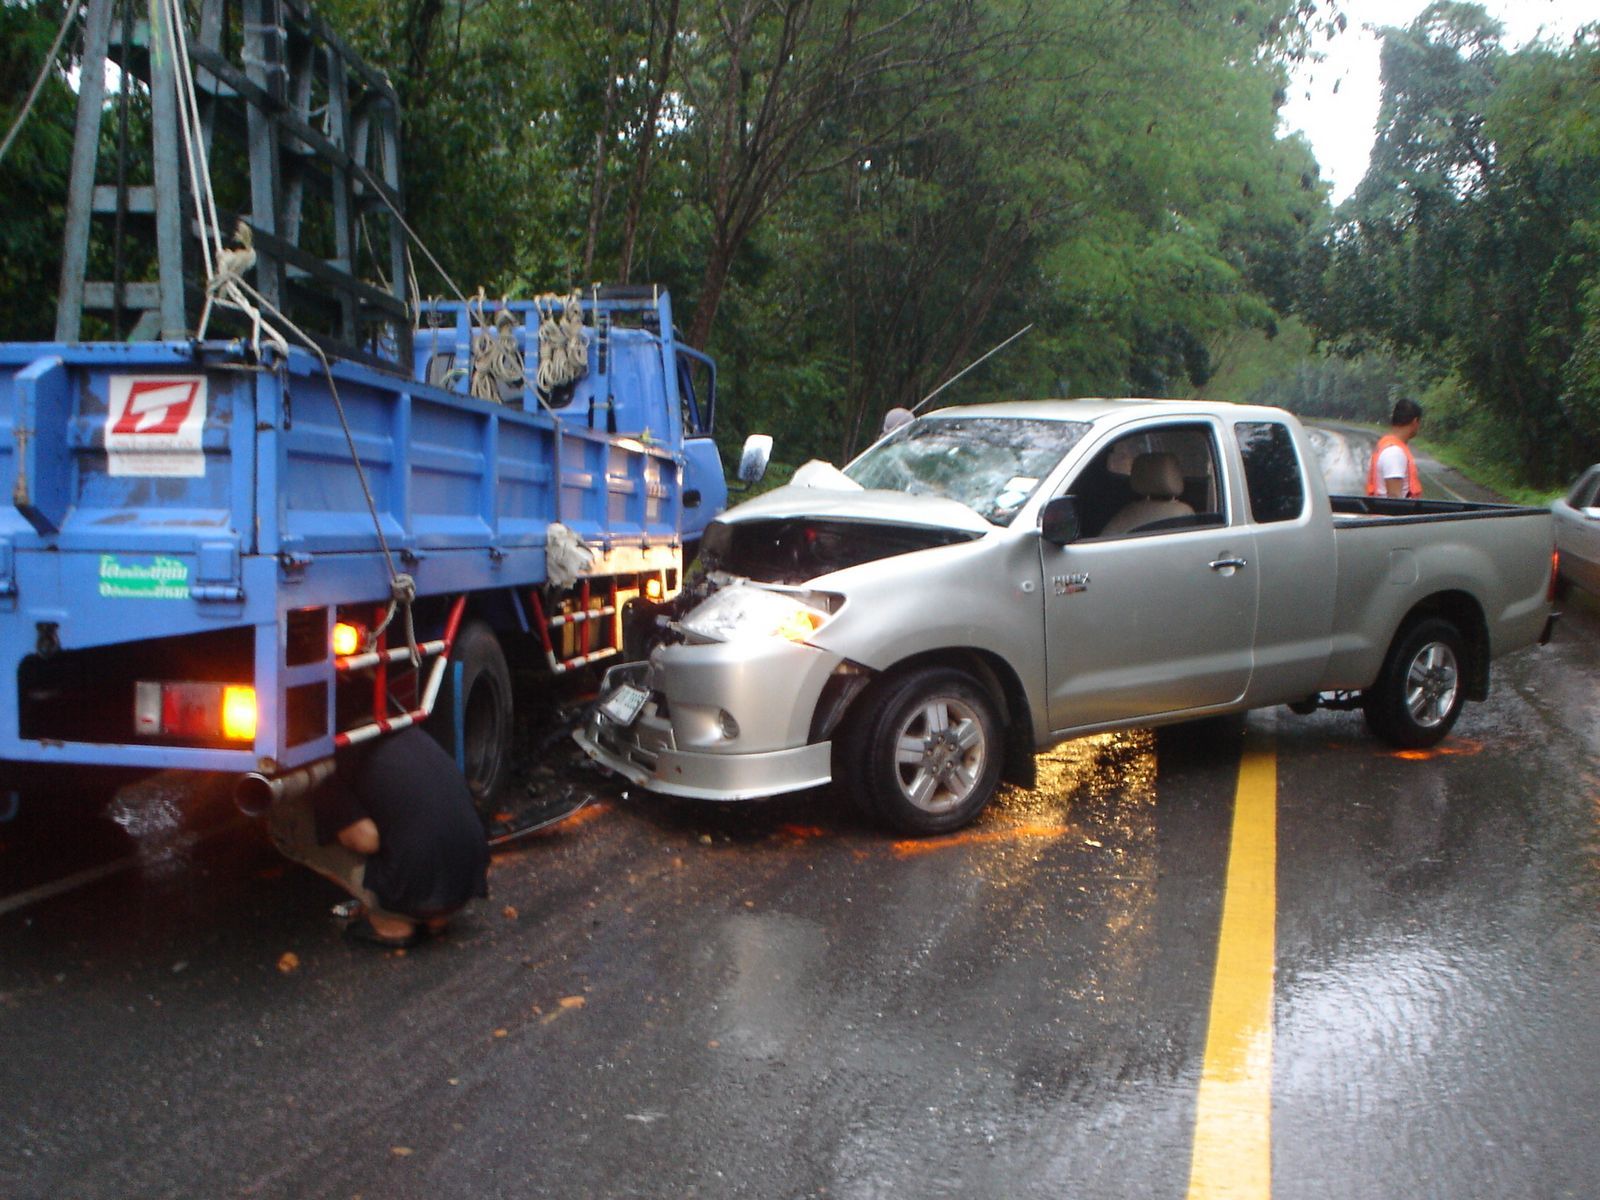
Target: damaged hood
x=874 y=507
x=797 y=534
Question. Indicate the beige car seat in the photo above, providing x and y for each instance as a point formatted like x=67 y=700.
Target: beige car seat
x=1157 y=480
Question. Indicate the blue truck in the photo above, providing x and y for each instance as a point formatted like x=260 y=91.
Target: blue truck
x=219 y=560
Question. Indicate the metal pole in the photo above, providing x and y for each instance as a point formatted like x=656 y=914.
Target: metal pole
x=168 y=189
x=80 y=194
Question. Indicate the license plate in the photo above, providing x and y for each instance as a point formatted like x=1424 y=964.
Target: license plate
x=623 y=704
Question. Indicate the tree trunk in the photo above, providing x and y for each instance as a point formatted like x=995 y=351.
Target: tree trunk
x=713 y=282
x=597 y=190
x=647 y=136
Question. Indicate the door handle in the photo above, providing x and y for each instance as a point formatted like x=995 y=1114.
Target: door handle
x=1228 y=564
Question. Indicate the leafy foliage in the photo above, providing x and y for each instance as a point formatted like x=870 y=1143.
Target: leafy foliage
x=1473 y=244
x=850 y=199
x=35 y=168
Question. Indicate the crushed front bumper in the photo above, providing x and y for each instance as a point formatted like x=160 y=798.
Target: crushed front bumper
x=719 y=721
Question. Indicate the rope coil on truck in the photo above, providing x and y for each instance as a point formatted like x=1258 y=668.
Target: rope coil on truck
x=497 y=364
x=563 y=354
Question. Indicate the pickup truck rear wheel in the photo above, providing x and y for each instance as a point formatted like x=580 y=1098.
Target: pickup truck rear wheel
x=924 y=757
x=1418 y=695
x=476 y=678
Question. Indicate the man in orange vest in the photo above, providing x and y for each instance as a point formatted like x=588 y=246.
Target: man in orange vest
x=1393 y=470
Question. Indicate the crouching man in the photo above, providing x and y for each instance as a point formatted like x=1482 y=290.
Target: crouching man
x=395 y=827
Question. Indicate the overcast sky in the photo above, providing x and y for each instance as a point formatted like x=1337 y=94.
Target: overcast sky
x=1340 y=122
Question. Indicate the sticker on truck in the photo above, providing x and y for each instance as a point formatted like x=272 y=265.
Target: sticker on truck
x=154 y=423
x=144 y=578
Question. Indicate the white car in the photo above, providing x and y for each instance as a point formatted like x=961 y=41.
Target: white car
x=1577 y=519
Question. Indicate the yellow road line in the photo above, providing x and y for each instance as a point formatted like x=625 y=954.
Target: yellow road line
x=1233 y=1125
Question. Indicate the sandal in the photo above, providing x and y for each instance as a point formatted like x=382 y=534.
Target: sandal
x=361 y=930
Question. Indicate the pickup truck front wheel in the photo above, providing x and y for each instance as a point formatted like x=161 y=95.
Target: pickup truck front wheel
x=1418 y=695
x=924 y=755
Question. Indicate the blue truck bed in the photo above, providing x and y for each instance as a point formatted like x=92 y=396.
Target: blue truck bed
x=181 y=512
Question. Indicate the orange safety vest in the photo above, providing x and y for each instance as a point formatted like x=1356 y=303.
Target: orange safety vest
x=1413 y=480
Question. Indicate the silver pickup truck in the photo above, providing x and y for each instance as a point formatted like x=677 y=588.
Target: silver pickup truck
x=985 y=582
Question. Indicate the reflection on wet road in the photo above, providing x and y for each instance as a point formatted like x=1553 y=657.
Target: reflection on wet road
x=1344 y=452
x=666 y=999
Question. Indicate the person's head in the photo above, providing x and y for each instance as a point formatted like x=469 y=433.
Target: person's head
x=895 y=418
x=1406 y=412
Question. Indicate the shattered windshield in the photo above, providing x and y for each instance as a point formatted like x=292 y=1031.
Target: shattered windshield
x=990 y=464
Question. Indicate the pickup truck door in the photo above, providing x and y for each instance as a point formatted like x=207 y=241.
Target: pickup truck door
x=1296 y=562
x=1158 y=617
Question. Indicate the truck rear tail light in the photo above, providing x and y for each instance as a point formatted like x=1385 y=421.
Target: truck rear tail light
x=1555 y=576
x=239 y=713
x=195 y=710
x=347 y=639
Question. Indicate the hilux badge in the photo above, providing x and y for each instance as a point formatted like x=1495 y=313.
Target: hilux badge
x=1069 y=585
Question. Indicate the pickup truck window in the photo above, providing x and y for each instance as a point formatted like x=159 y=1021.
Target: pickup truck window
x=990 y=464
x=1586 y=491
x=1157 y=480
x=1271 y=471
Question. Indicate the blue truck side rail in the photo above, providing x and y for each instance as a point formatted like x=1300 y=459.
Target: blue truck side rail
x=179 y=516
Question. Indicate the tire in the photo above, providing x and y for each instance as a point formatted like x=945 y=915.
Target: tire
x=478 y=674
x=924 y=754
x=1419 y=692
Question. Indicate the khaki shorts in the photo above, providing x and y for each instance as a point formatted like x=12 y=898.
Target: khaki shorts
x=292 y=825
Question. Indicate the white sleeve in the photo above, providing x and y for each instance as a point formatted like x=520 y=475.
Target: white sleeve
x=1392 y=463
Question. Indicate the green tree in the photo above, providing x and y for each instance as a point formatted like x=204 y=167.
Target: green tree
x=1072 y=183
x=852 y=199
x=36 y=167
x=1471 y=246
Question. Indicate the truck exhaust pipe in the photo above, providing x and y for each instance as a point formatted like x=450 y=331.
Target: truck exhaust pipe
x=256 y=793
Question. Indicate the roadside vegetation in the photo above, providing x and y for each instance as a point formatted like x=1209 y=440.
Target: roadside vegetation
x=1471 y=250
x=853 y=199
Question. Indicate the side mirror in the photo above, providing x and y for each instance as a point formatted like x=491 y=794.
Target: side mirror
x=753 y=461
x=1058 y=523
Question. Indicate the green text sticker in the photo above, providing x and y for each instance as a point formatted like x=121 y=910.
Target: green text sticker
x=157 y=578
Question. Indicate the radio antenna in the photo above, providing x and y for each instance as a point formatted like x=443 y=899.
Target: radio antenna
x=970 y=365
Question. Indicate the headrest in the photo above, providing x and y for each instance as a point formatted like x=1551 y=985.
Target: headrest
x=1156 y=475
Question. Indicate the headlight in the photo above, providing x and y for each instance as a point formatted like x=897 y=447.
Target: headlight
x=743 y=612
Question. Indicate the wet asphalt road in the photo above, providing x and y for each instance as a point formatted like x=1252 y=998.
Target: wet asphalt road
x=668 y=1000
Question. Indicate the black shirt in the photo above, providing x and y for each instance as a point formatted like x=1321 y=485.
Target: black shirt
x=432 y=855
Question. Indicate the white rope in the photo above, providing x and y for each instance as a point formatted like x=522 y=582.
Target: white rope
x=225 y=269
x=189 y=125
x=44 y=73
x=415 y=294
x=497 y=364
x=563 y=354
